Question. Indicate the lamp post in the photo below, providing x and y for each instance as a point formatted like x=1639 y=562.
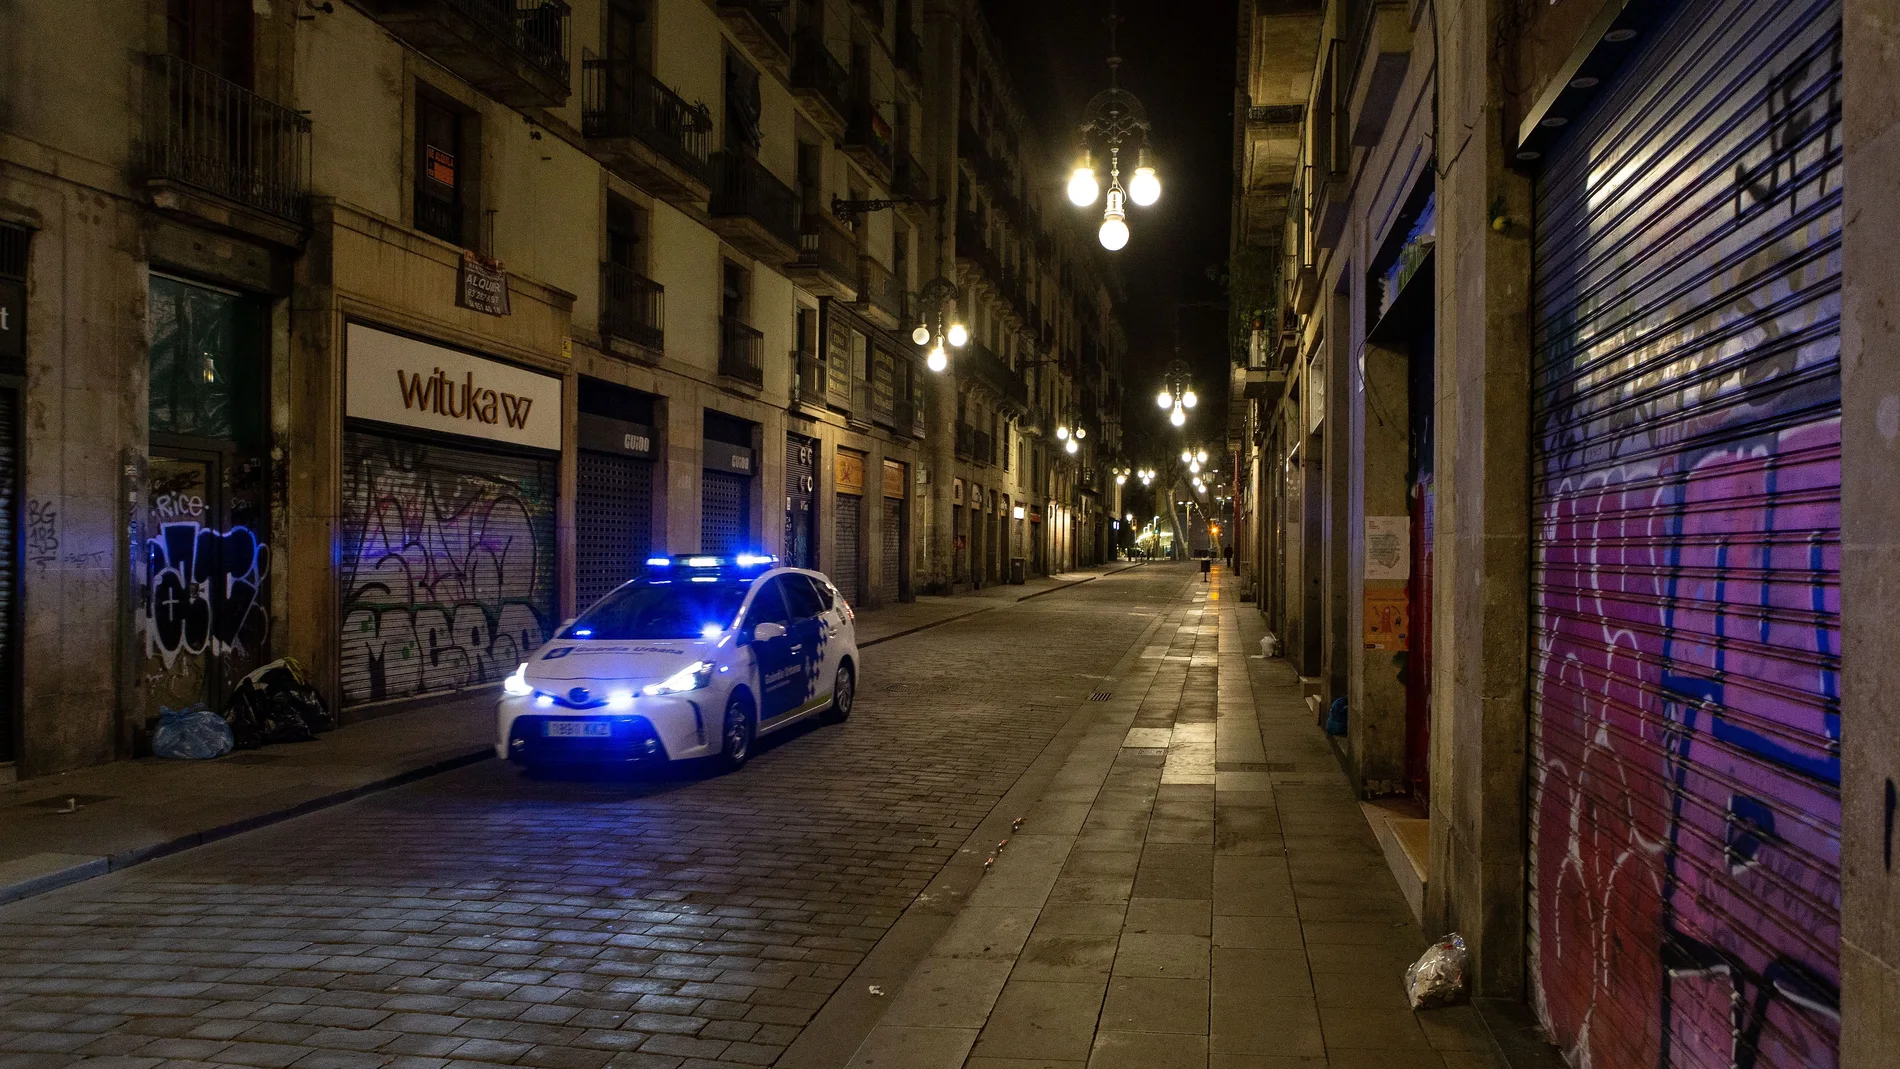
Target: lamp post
x=936 y=294
x=1177 y=393
x=1114 y=119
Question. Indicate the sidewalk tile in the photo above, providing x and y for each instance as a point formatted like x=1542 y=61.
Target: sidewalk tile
x=1148 y=1050
x=1169 y=916
x=1178 y=956
x=1156 y=1004
x=914 y=1048
x=1039 y=1019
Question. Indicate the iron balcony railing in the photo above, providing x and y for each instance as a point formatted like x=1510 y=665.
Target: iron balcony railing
x=830 y=248
x=619 y=99
x=217 y=136
x=741 y=351
x=743 y=187
x=814 y=68
x=632 y=306
x=877 y=287
x=535 y=28
x=809 y=384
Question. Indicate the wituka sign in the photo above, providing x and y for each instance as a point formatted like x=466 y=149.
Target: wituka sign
x=411 y=383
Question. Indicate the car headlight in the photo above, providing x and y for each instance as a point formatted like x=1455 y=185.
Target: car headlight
x=692 y=677
x=517 y=684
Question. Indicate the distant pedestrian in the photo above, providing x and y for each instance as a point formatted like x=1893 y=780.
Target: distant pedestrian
x=1227 y=556
x=1207 y=566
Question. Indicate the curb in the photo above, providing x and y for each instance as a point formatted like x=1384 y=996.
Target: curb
x=91 y=867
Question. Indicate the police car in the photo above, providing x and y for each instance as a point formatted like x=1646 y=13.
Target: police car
x=697 y=658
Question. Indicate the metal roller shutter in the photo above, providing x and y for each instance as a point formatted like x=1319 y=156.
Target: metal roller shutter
x=724 y=512
x=893 y=556
x=1685 y=723
x=9 y=566
x=613 y=522
x=844 y=573
x=801 y=549
x=447 y=564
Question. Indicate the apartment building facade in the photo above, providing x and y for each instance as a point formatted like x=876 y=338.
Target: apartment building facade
x=386 y=335
x=1560 y=439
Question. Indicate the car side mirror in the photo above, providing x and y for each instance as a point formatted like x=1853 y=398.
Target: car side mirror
x=767 y=631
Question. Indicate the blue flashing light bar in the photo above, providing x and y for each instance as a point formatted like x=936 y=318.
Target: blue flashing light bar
x=659 y=562
x=707 y=560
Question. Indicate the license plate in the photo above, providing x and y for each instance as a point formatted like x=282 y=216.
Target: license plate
x=579 y=729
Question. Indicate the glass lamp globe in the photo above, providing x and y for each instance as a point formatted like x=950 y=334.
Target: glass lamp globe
x=1120 y=479
x=1072 y=447
x=1201 y=455
x=1194 y=468
x=1062 y=434
x=937 y=361
x=1186 y=456
x=1164 y=399
x=1144 y=189
x=921 y=335
x=1189 y=399
x=1114 y=234
x=1081 y=432
x=1083 y=188
x=1179 y=418
x=959 y=335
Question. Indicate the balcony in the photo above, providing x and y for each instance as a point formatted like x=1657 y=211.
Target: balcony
x=867 y=138
x=512 y=50
x=910 y=57
x=879 y=297
x=752 y=209
x=966 y=442
x=645 y=132
x=821 y=82
x=741 y=352
x=908 y=176
x=633 y=309
x=219 y=152
x=808 y=381
x=827 y=263
x=764 y=26
x=996 y=377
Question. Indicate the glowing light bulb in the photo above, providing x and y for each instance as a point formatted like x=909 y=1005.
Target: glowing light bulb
x=921 y=335
x=1201 y=455
x=1144 y=189
x=1189 y=399
x=1179 y=418
x=1081 y=432
x=1072 y=447
x=937 y=361
x=1114 y=234
x=1195 y=469
x=959 y=335
x=1186 y=456
x=1062 y=433
x=1083 y=188
x=1164 y=399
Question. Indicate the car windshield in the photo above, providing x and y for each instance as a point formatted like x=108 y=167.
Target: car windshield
x=662 y=608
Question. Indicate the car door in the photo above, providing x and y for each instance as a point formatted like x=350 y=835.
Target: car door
x=807 y=610
x=780 y=658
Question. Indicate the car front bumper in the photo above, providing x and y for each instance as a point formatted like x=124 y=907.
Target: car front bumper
x=656 y=729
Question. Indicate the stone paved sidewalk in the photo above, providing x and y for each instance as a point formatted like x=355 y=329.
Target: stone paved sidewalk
x=1194 y=887
x=132 y=811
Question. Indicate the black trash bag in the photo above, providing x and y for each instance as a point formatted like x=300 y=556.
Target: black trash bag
x=276 y=703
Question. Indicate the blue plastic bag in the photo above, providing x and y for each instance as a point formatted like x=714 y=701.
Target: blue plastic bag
x=193 y=733
x=1336 y=717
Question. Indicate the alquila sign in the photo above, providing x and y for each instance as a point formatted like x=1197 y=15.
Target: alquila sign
x=411 y=383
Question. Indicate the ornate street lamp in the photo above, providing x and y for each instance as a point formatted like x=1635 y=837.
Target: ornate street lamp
x=936 y=294
x=1115 y=119
x=1176 y=393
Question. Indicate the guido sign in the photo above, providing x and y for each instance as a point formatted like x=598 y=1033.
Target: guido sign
x=394 y=379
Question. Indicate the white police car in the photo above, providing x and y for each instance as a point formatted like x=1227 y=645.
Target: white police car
x=696 y=658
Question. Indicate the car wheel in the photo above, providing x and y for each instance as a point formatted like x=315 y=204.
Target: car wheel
x=844 y=694
x=736 y=733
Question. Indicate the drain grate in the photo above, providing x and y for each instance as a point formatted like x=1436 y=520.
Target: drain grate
x=1101 y=696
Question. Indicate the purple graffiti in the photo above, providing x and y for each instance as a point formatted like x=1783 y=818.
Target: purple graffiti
x=203 y=591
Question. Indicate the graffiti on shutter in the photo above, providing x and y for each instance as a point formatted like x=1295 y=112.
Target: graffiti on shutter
x=613 y=522
x=446 y=565
x=1685 y=731
x=845 y=568
x=800 y=478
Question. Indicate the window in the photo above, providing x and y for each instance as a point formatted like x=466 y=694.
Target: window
x=440 y=177
x=810 y=177
x=735 y=291
x=626 y=233
x=214 y=35
x=660 y=609
x=630 y=34
x=800 y=599
x=768 y=606
x=205 y=377
x=744 y=132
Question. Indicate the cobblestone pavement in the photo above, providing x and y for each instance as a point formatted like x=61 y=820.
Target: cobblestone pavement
x=477 y=918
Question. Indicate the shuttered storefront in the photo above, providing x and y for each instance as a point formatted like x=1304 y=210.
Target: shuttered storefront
x=801 y=513
x=847 y=558
x=1685 y=766
x=447 y=566
x=892 y=533
x=725 y=498
x=9 y=564
x=613 y=522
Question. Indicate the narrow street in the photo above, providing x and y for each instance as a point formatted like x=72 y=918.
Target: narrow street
x=1192 y=884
